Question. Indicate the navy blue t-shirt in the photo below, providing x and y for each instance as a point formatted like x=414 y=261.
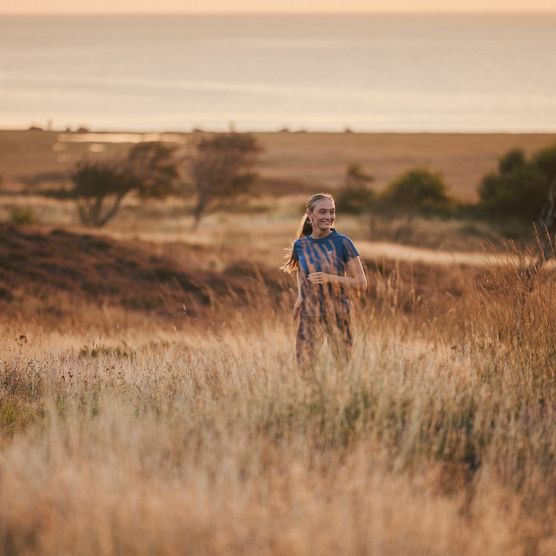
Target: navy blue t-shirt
x=329 y=254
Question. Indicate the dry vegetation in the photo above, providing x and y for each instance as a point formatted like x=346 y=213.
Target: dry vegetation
x=135 y=430
x=150 y=402
x=290 y=162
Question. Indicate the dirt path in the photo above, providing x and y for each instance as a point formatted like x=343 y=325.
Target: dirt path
x=395 y=251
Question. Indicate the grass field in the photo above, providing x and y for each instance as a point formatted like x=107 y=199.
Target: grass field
x=128 y=431
x=294 y=162
x=150 y=402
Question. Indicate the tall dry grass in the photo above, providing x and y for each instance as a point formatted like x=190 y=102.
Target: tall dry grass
x=145 y=438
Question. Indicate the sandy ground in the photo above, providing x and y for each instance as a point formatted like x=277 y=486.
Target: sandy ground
x=292 y=161
x=376 y=250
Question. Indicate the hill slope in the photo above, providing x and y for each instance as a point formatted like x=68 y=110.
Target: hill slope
x=39 y=266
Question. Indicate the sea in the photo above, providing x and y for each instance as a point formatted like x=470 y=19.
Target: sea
x=323 y=72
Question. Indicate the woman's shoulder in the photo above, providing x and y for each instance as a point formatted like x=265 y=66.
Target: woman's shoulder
x=301 y=241
x=341 y=237
x=347 y=246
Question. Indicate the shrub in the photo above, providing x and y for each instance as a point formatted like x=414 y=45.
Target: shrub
x=418 y=191
x=22 y=216
x=355 y=196
x=519 y=189
x=154 y=164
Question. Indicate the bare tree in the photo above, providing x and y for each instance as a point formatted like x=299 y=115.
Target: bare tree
x=100 y=186
x=220 y=169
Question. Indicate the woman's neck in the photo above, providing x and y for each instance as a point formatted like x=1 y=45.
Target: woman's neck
x=315 y=234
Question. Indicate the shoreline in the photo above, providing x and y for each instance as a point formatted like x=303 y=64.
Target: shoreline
x=36 y=128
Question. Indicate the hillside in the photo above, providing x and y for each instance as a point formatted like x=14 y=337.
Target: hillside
x=61 y=273
x=37 y=265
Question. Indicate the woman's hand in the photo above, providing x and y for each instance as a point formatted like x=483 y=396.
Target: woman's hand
x=320 y=278
x=297 y=307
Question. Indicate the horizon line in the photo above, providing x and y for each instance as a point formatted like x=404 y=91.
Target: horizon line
x=321 y=12
x=293 y=131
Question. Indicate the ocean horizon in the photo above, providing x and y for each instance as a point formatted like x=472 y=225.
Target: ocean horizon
x=387 y=72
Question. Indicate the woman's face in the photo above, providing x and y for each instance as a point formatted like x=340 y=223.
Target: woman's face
x=323 y=215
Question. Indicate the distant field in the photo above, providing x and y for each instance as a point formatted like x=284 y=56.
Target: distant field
x=292 y=162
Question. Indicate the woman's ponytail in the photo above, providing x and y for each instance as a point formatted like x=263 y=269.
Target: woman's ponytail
x=306 y=228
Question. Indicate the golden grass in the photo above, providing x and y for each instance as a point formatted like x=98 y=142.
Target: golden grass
x=259 y=229
x=126 y=433
x=126 y=437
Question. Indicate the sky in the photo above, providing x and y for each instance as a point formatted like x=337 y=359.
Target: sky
x=260 y=6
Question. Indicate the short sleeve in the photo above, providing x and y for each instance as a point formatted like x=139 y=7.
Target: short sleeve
x=350 y=251
x=295 y=251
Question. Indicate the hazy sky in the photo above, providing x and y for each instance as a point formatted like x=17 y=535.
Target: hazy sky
x=104 y=6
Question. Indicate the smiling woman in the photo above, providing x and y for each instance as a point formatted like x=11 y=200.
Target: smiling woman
x=328 y=265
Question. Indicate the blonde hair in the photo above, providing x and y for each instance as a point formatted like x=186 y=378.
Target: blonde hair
x=305 y=228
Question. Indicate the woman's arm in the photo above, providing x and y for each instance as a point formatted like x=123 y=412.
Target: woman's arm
x=299 y=279
x=356 y=278
x=299 y=300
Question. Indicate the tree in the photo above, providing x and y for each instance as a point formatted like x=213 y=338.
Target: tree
x=418 y=191
x=101 y=185
x=220 y=169
x=526 y=190
x=355 y=196
x=545 y=160
x=155 y=165
x=517 y=190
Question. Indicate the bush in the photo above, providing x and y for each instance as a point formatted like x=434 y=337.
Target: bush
x=154 y=164
x=355 y=196
x=519 y=188
x=22 y=216
x=418 y=191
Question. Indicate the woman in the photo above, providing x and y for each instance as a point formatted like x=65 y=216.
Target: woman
x=327 y=264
